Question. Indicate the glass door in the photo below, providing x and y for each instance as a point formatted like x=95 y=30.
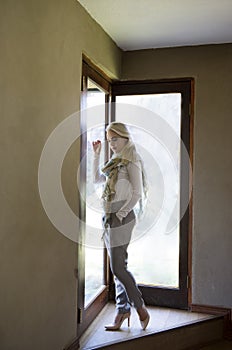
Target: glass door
x=158 y=117
x=94 y=248
x=92 y=258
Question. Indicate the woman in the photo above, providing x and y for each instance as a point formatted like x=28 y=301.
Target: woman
x=124 y=183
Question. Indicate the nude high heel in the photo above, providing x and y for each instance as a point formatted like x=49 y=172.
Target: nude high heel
x=145 y=322
x=117 y=324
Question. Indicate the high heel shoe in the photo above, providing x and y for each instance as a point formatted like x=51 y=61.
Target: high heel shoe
x=119 y=319
x=142 y=312
x=145 y=322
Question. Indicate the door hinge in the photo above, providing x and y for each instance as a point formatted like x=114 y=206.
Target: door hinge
x=79 y=315
x=188 y=281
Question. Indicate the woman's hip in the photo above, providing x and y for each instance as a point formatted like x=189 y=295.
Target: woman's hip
x=119 y=233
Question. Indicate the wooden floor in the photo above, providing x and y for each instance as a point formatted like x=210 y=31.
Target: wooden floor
x=221 y=345
x=161 y=319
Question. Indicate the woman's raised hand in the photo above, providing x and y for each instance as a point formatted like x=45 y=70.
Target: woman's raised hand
x=97 y=146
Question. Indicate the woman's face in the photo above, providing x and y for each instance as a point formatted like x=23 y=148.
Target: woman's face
x=116 y=142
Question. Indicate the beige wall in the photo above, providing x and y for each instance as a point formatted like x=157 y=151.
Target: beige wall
x=211 y=66
x=41 y=47
x=41 y=51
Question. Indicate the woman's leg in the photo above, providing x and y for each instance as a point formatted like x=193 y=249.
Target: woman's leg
x=121 y=298
x=117 y=239
x=126 y=289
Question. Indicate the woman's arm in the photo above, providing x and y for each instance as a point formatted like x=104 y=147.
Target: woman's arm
x=97 y=176
x=135 y=178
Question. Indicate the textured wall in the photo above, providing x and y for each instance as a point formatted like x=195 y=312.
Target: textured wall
x=40 y=68
x=211 y=66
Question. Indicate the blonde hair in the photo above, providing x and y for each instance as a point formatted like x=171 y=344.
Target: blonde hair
x=119 y=128
x=129 y=151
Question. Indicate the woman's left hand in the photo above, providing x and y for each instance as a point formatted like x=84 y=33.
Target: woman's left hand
x=97 y=146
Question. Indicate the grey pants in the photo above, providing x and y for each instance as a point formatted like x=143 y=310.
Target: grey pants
x=117 y=238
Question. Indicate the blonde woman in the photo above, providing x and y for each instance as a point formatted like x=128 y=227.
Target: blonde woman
x=124 y=180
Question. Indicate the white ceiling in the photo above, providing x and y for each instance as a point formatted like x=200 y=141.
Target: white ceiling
x=142 y=24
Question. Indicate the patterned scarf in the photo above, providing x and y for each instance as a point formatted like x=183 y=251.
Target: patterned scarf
x=110 y=170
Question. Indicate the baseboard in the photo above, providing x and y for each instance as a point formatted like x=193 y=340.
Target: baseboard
x=218 y=311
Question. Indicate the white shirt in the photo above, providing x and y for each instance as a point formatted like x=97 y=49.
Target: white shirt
x=128 y=186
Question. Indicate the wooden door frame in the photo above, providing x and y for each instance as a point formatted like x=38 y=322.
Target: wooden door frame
x=186 y=87
x=86 y=316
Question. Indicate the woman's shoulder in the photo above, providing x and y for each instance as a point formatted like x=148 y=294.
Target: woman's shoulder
x=136 y=164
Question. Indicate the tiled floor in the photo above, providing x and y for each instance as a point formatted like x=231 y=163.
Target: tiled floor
x=161 y=319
